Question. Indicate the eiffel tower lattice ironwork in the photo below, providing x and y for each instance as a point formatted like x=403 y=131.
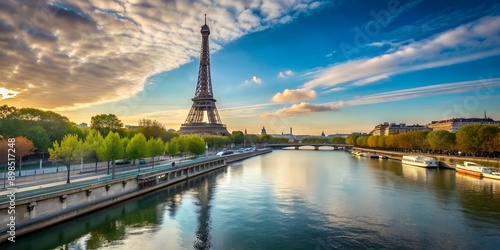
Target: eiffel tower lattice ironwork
x=203 y=101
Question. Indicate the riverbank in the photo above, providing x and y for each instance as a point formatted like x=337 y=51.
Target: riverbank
x=39 y=208
x=445 y=161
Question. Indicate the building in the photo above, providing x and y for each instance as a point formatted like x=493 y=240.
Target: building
x=454 y=124
x=263 y=131
x=131 y=127
x=203 y=100
x=82 y=125
x=387 y=128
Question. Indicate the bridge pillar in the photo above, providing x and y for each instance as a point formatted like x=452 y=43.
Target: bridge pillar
x=296 y=147
x=316 y=148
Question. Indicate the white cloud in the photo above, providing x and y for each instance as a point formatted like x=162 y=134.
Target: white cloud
x=83 y=53
x=7 y=93
x=480 y=89
x=336 y=89
x=285 y=74
x=468 y=42
x=369 y=80
x=294 y=95
x=256 y=80
x=302 y=108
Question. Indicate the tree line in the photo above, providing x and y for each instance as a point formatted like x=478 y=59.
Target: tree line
x=472 y=139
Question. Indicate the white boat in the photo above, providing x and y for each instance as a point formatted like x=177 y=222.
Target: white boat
x=369 y=155
x=420 y=161
x=491 y=173
x=472 y=168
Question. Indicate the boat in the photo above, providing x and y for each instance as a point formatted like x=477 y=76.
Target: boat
x=491 y=173
x=420 y=161
x=369 y=155
x=383 y=157
x=472 y=168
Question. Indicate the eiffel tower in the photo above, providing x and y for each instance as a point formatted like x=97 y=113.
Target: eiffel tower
x=203 y=101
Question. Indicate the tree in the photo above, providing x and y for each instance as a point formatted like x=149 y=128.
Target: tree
x=251 y=139
x=91 y=145
x=39 y=137
x=373 y=141
x=214 y=141
x=237 y=137
x=166 y=137
x=104 y=123
x=468 y=140
x=338 y=140
x=172 y=148
x=23 y=148
x=441 y=140
x=5 y=111
x=487 y=135
x=137 y=148
x=155 y=148
x=17 y=121
x=125 y=141
x=111 y=150
x=181 y=144
x=351 y=139
x=265 y=138
x=381 y=142
x=152 y=128
x=69 y=151
x=196 y=145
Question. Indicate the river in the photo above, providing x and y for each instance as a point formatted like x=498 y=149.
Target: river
x=296 y=199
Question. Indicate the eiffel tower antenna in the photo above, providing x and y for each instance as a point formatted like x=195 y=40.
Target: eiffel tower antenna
x=203 y=100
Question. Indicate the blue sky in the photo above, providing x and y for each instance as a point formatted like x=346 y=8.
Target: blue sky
x=332 y=66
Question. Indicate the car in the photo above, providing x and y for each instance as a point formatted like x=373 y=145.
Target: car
x=223 y=153
x=142 y=161
x=122 y=162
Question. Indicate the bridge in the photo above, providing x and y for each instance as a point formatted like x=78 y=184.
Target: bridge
x=315 y=145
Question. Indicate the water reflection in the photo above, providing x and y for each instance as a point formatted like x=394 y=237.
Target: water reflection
x=297 y=199
x=111 y=227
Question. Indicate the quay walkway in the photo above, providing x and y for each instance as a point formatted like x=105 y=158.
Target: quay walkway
x=43 y=203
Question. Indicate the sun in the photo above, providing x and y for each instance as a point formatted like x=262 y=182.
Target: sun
x=7 y=93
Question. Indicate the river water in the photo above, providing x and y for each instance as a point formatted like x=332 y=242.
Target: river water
x=296 y=199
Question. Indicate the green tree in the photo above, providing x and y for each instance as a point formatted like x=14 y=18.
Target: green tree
x=172 y=148
x=237 y=137
x=125 y=141
x=155 y=148
x=468 y=139
x=17 y=121
x=93 y=140
x=69 y=151
x=169 y=135
x=137 y=148
x=487 y=135
x=351 y=139
x=338 y=140
x=196 y=145
x=373 y=141
x=111 y=150
x=39 y=137
x=265 y=138
x=251 y=139
x=215 y=141
x=152 y=128
x=181 y=144
x=441 y=140
x=104 y=123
